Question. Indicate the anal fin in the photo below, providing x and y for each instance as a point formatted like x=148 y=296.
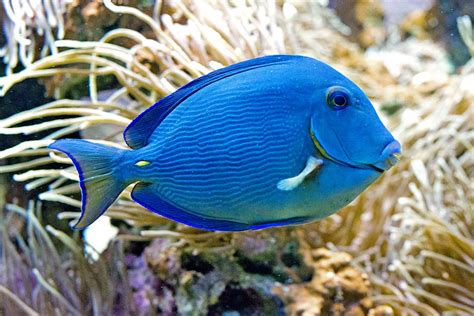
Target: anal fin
x=147 y=196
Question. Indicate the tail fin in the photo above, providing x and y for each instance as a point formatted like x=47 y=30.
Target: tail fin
x=97 y=167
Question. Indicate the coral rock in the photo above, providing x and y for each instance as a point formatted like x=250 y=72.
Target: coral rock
x=336 y=288
x=382 y=310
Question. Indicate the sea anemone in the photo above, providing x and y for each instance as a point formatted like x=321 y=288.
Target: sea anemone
x=45 y=271
x=28 y=22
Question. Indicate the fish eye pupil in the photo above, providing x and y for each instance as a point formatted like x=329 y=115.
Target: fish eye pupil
x=338 y=97
x=340 y=100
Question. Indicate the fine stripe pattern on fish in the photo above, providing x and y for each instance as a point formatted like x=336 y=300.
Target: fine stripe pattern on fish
x=231 y=156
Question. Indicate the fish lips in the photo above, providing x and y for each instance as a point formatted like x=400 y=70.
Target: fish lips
x=389 y=157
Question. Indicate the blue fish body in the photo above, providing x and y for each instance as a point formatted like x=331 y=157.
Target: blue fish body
x=212 y=154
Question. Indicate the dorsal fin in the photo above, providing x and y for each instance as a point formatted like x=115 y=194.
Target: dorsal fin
x=136 y=134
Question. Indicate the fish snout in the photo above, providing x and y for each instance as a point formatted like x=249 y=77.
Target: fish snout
x=389 y=156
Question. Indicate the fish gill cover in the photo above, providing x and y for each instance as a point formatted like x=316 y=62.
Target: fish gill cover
x=410 y=237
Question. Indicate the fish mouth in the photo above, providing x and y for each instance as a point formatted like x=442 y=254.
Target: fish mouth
x=390 y=156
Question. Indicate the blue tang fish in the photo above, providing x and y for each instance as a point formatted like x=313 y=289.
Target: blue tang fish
x=272 y=141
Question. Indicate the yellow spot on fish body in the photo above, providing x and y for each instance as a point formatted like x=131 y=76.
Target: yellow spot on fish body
x=142 y=163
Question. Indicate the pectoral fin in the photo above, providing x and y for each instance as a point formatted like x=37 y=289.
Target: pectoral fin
x=291 y=183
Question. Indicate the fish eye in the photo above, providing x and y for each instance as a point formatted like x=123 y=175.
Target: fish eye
x=337 y=97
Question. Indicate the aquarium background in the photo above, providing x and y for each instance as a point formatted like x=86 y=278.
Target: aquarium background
x=86 y=68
